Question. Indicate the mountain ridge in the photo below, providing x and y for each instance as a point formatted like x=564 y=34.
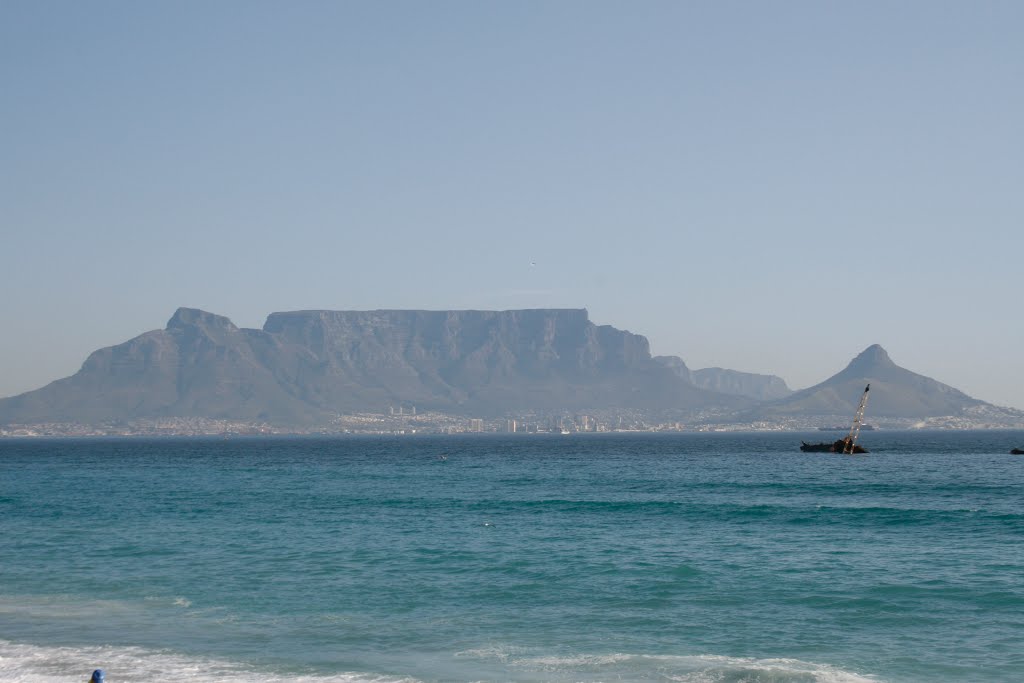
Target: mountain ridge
x=308 y=366
x=732 y=382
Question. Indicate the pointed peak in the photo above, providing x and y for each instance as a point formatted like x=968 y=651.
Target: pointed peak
x=875 y=353
x=193 y=317
x=873 y=357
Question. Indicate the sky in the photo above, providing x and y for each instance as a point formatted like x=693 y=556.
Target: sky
x=766 y=187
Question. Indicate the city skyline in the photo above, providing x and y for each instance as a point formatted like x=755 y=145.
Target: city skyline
x=764 y=189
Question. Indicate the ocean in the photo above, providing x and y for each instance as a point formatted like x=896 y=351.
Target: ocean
x=579 y=558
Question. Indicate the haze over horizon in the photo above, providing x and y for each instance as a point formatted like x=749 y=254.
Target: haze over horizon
x=769 y=189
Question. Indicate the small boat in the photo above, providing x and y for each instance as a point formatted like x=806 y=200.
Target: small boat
x=848 y=444
x=1017 y=451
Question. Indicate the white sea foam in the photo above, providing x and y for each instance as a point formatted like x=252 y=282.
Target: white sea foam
x=22 y=663
x=714 y=669
x=684 y=669
x=178 y=601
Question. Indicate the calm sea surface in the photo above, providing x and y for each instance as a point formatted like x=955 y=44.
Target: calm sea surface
x=529 y=558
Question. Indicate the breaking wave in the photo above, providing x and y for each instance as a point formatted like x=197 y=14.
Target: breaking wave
x=33 y=664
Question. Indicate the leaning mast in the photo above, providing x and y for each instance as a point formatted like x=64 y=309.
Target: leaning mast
x=858 y=420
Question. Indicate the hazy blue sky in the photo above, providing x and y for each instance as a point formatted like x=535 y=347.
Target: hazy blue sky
x=769 y=187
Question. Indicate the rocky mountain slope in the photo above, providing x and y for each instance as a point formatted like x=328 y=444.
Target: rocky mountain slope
x=732 y=382
x=895 y=392
x=307 y=366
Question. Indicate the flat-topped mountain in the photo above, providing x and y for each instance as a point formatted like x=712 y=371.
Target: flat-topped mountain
x=308 y=366
x=895 y=392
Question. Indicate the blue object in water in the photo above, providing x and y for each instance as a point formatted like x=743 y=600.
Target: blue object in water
x=98 y=676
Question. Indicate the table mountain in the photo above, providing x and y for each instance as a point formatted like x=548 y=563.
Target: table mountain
x=308 y=366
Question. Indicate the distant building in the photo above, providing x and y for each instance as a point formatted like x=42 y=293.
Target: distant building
x=510 y=426
x=476 y=425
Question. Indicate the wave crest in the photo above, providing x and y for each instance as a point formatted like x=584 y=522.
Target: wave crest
x=34 y=664
x=684 y=669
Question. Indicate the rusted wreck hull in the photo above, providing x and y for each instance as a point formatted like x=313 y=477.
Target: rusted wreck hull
x=832 y=447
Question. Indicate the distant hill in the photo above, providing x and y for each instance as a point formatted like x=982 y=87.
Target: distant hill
x=308 y=366
x=731 y=382
x=759 y=387
x=895 y=392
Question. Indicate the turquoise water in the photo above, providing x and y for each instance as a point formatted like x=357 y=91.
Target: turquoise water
x=700 y=557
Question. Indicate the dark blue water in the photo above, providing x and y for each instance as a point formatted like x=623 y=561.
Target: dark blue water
x=699 y=557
